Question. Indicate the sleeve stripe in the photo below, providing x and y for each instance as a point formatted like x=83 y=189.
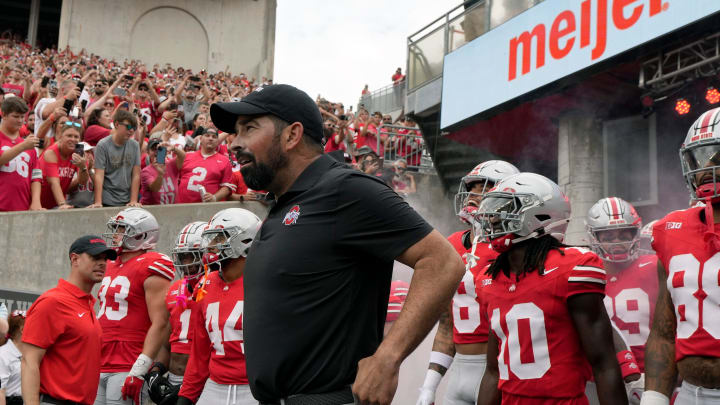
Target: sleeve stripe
x=163 y=273
x=393 y=311
x=400 y=294
x=586 y=279
x=231 y=186
x=588 y=268
x=163 y=266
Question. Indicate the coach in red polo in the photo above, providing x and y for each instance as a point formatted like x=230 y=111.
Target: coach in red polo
x=61 y=355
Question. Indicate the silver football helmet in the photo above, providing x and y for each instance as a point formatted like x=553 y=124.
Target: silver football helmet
x=489 y=173
x=132 y=229
x=700 y=156
x=644 y=245
x=188 y=251
x=520 y=207
x=230 y=234
x=606 y=222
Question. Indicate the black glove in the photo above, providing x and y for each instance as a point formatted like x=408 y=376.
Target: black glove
x=159 y=387
x=183 y=401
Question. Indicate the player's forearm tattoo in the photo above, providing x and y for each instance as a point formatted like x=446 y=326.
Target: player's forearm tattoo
x=660 y=367
x=443 y=340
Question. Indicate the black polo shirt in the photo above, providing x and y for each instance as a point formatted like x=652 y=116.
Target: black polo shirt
x=317 y=279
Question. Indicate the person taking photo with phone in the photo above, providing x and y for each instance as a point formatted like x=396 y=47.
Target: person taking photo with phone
x=159 y=179
x=63 y=166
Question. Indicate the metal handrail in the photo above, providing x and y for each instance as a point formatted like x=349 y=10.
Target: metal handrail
x=418 y=158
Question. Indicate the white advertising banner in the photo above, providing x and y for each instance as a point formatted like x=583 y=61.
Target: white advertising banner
x=550 y=41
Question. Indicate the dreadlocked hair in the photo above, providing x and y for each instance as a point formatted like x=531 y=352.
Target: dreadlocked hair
x=535 y=254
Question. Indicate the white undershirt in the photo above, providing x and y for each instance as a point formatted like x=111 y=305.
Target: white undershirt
x=10 y=369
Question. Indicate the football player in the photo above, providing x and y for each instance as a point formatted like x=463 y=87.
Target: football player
x=685 y=336
x=549 y=328
x=216 y=369
x=187 y=258
x=614 y=228
x=462 y=332
x=644 y=246
x=132 y=311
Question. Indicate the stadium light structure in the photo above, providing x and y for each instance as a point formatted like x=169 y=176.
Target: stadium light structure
x=712 y=95
x=682 y=106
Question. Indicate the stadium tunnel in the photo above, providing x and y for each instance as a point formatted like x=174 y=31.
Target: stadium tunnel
x=37 y=22
x=587 y=103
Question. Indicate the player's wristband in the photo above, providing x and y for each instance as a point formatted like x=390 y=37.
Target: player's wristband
x=441 y=359
x=628 y=364
x=141 y=367
x=432 y=380
x=654 y=398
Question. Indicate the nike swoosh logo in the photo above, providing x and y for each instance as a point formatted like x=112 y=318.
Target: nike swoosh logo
x=550 y=270
x=644 y=264
x=81 y=315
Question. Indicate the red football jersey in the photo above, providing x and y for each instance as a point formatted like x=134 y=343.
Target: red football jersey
x=16 y=175
x=693 y=281
x=180 y=318
x=540 y=354
x=469 y=324
x=212 y=173
x=64 y=170
x=630 y=302
x=217 y=347
x=123 y=312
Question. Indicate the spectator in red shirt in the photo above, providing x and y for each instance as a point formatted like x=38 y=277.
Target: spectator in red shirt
x=98 y=126
x=29 y=127
x=159 y=182
x=62 y=338
x=59 y=164
x=205 y=170
x=365 y=90
x=19 y=83
x=398 y=76
x=18 y=160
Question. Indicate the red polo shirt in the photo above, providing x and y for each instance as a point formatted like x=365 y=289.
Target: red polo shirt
x=62 y=321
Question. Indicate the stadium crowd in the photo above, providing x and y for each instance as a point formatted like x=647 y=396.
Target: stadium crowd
x=79 y=131
x=631 y=318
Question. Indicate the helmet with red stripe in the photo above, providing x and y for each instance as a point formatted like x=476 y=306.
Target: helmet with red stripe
x=229 y=234
x=614 y=229
x=188 y=250
x=700 y=157
x=645 y=247
x=132 y=229
x=488 y=174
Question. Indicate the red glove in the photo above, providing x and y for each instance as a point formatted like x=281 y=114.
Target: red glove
x=132 y=388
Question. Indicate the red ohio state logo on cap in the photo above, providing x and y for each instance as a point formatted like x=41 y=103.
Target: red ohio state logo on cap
x=97 y=241
x=292 y=216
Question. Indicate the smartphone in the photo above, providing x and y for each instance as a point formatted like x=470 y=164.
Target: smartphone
x=79 y=149
x=81 y=86
x=68 y=104
x=194 y=78
x=84 y=104
x=161 y=153
x=120 y=91
x=343 y=117
x=44 y=81
x=129 y=77
x=173 y=106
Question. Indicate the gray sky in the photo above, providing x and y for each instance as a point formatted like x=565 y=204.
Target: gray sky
x=335 y=47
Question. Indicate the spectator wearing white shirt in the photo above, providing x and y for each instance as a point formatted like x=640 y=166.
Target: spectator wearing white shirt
x=10 y=361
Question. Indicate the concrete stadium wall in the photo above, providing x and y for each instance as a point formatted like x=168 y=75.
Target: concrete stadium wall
x=199 y=34
x=34 y=245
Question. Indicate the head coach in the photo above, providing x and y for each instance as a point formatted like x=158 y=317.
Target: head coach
x=61 y=337
x=317 y=278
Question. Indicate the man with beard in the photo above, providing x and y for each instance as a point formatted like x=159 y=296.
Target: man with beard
x=317 y=278
x=206 y=174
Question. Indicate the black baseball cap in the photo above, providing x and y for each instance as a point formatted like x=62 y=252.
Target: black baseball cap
x=92 y=245
x=281 y=100
x=153 y=141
